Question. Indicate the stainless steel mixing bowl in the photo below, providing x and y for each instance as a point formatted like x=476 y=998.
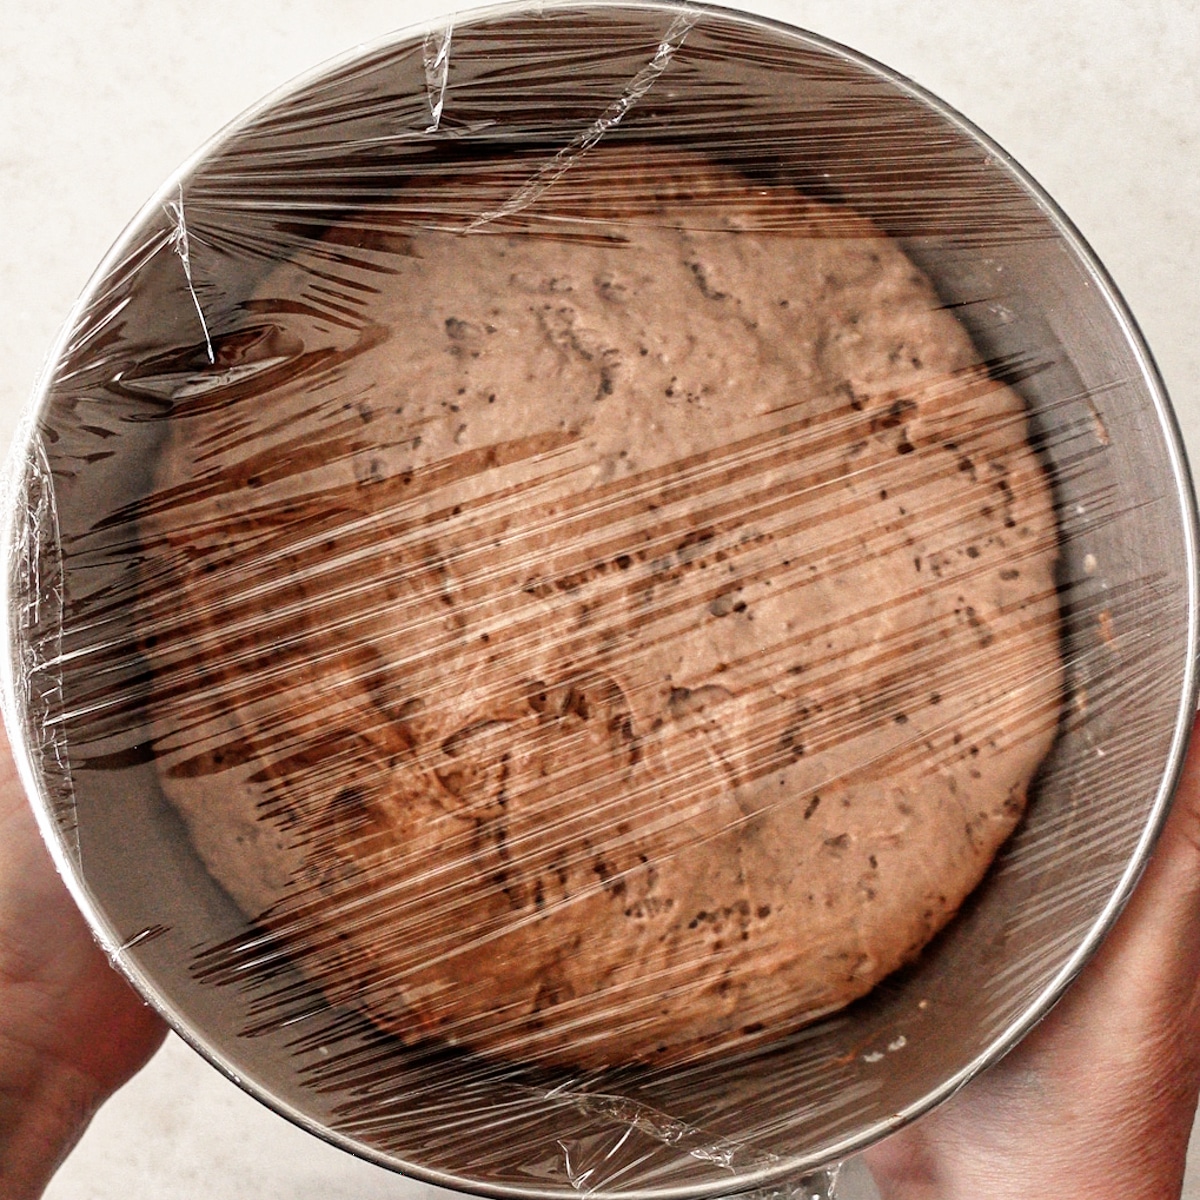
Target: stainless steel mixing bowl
x=789 y=107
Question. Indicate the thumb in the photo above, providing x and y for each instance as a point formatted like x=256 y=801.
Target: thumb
x=1098 y=1100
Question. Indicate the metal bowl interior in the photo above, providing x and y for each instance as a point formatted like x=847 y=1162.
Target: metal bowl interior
x=780 y=104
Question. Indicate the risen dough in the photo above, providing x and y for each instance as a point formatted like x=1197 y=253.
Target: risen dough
x=607 y=632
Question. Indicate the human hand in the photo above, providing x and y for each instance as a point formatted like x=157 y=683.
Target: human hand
x=71 y=1029
x=1098 y=1101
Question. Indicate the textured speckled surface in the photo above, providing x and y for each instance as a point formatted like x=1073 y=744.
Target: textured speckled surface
x=101 y=101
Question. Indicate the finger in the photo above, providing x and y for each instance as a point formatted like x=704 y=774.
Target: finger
x=60 y=998
x=1146 y=973
x=1099 y=1099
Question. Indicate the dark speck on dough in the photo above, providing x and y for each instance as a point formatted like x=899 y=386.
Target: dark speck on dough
x=702 y=282
x=723 y=605
x=894 y=416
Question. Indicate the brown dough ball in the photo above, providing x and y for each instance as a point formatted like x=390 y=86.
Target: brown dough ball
x=612 y=632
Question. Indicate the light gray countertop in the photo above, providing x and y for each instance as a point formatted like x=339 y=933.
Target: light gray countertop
x=102 y=99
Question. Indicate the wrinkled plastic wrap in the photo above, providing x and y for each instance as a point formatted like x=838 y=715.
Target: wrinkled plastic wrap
x=547 y=567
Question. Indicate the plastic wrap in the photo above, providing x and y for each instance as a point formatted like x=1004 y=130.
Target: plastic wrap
x=384 y=582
